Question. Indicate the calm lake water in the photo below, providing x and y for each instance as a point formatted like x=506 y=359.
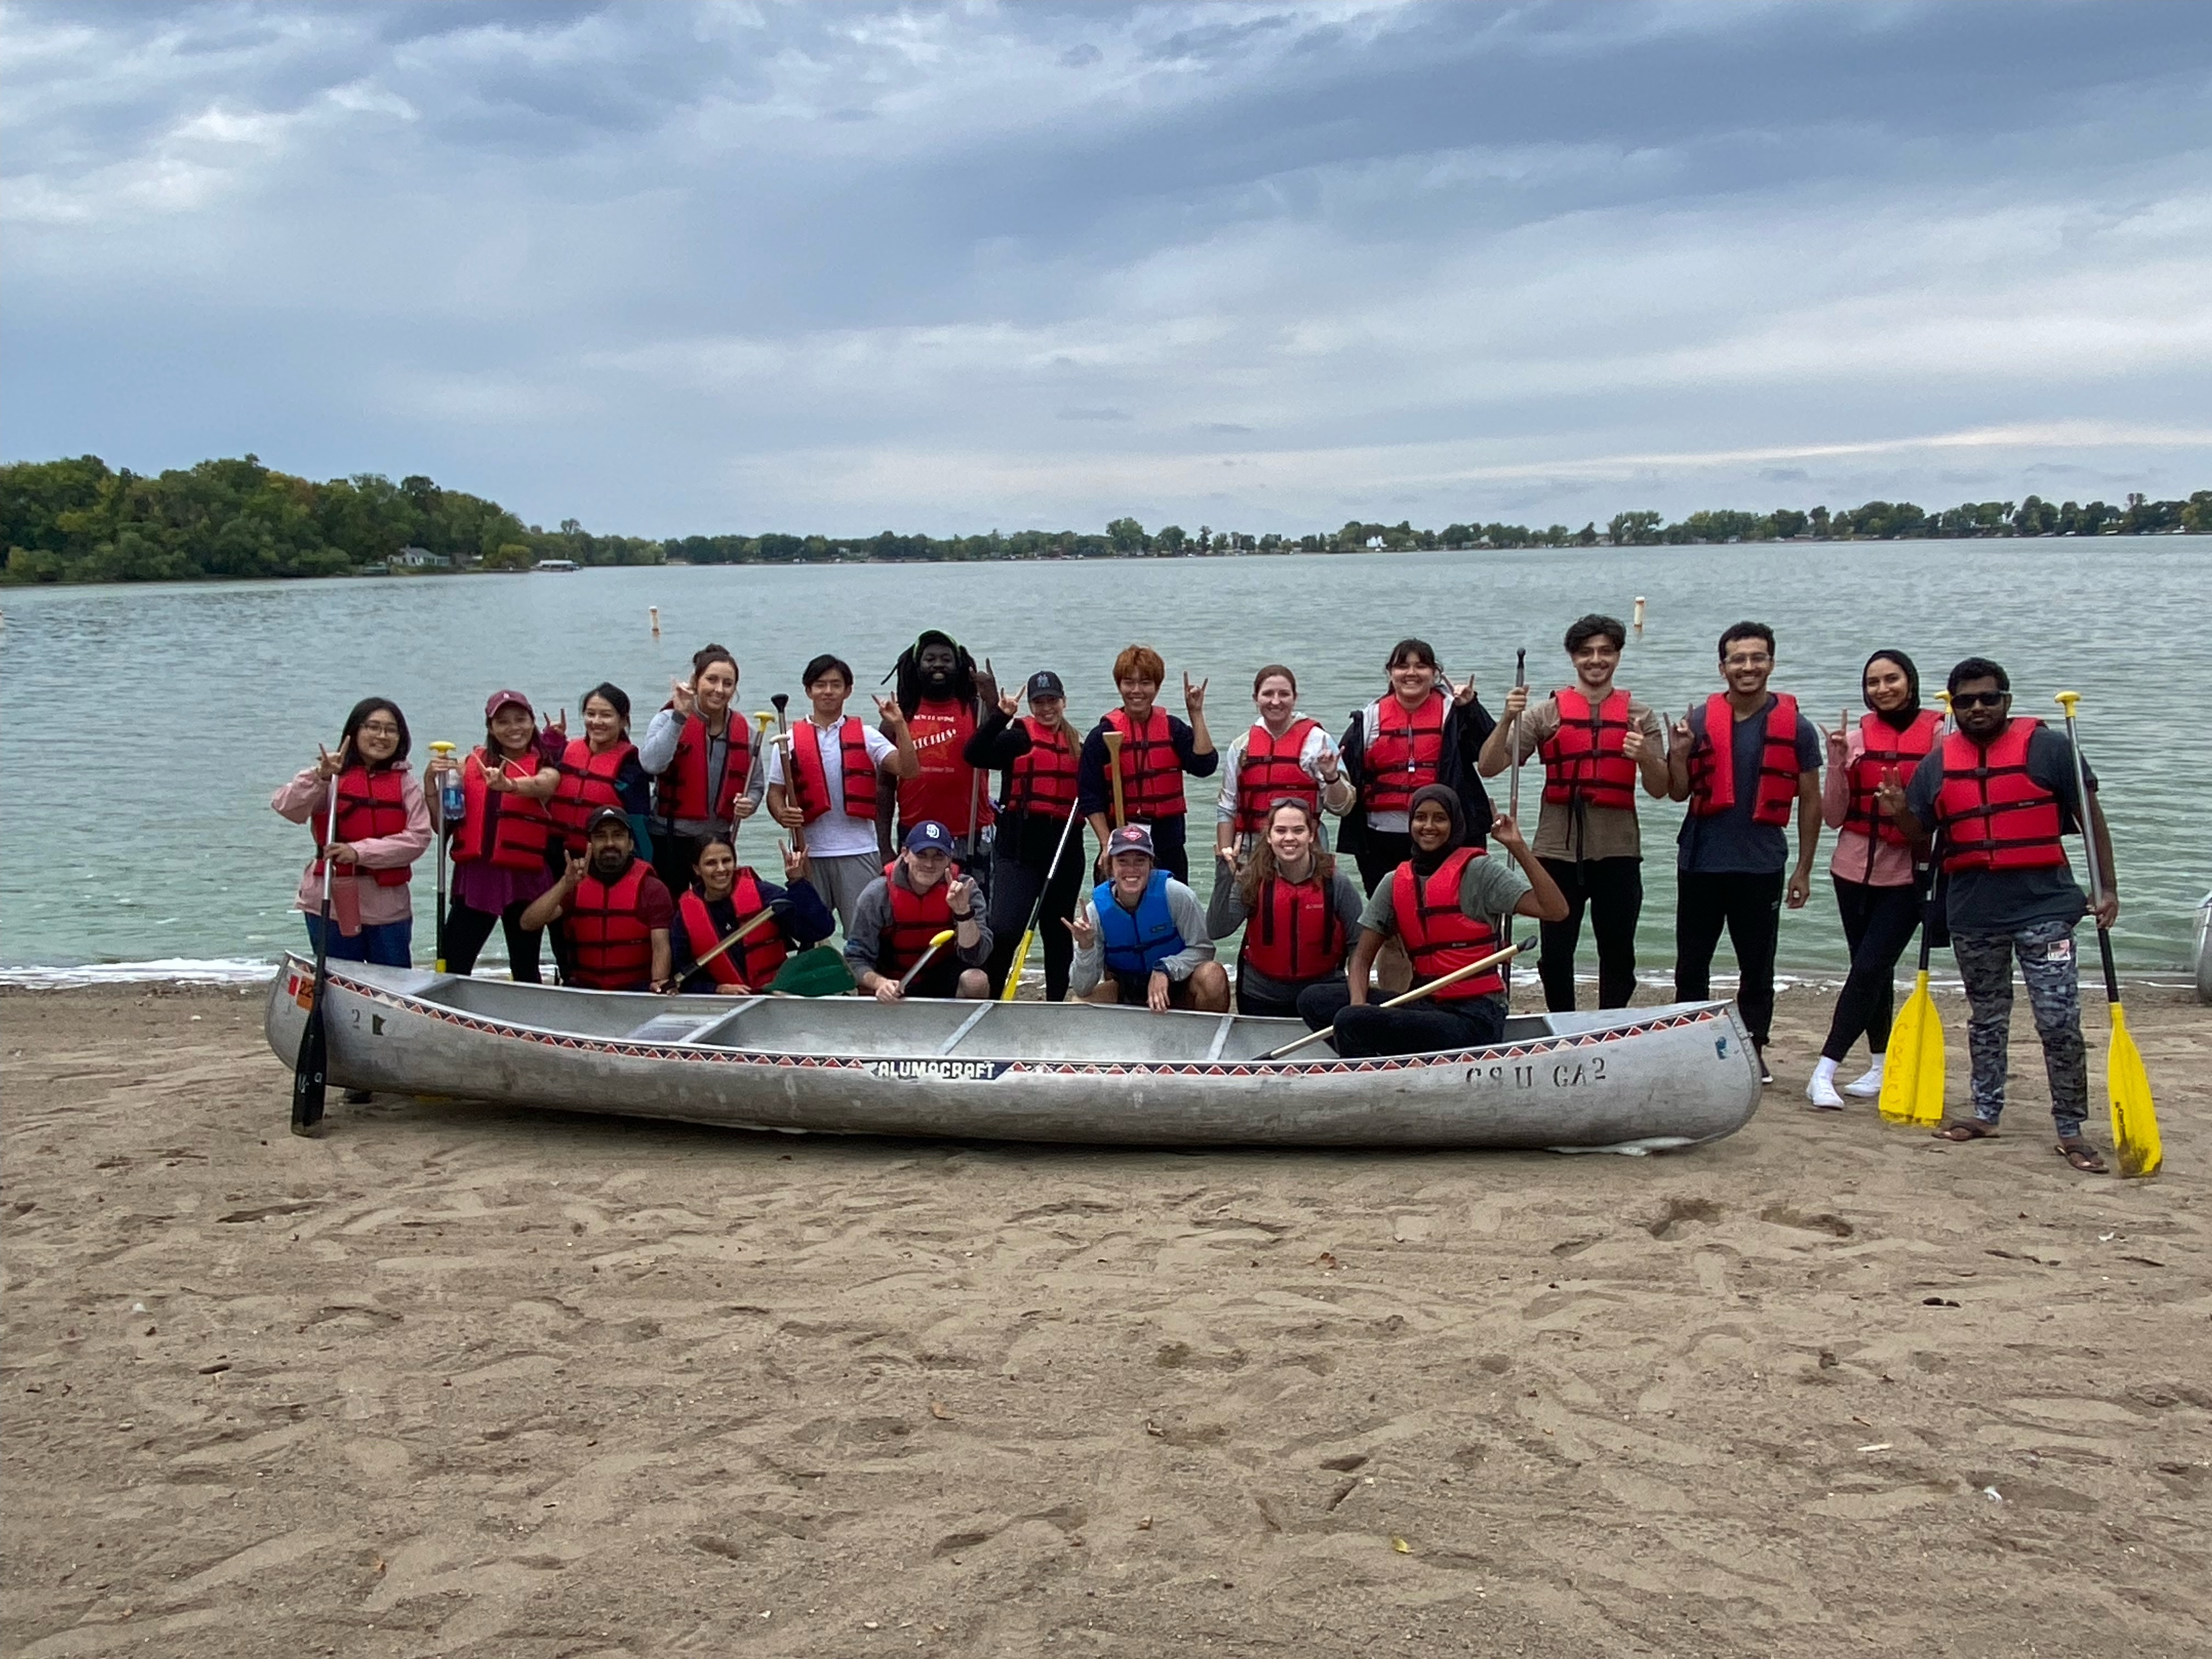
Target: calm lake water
x=142 y=728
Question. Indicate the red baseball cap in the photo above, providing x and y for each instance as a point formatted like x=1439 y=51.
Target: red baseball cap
x=499 y=700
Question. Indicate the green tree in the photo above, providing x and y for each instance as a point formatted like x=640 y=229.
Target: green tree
x=1127 y=535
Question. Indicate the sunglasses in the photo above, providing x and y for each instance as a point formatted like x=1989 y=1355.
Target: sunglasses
x=1979 y=699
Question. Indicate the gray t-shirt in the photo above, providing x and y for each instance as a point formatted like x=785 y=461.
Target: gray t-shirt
x=1487 y=887
x=1730 y=843
x=2006 y=901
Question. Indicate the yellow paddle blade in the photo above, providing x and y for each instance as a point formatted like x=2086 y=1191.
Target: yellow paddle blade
x=1912 y=1075
x=2135 y=1120
x=1014 y=968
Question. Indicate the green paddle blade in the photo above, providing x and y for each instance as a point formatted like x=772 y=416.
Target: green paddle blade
x=820 y=972
x=1912 y=1075
x=2135 y=1120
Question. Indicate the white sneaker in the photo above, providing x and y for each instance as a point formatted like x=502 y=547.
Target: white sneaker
x=1822 y=1093
x=1867 y=1085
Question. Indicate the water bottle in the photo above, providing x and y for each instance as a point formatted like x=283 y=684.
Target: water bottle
x=453 y=800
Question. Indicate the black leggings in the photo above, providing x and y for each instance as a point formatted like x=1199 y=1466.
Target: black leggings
x=1316 y=1001
x=1015 y=885
x=1614 y=891
x=1380 y=853
x=1420 y=1028
x=1878 y=924
x=466 y=930
x=1750 y=906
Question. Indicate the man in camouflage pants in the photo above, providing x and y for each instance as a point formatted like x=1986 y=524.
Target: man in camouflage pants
x=2001 y=793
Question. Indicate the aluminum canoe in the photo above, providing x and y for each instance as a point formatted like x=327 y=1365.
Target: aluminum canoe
x=1632 y=1079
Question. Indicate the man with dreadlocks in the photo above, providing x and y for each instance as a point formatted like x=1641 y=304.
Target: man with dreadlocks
x=939 y=691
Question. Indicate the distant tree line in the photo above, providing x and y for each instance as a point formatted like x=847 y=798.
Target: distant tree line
x=80 y=520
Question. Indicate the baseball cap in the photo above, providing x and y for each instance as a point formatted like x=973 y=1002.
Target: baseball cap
x=929 y=836
x=1046 y=683
x=499 y=700
x=606 y=815
x=1130 y=838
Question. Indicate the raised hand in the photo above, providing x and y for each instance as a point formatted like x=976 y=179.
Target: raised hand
x=681 y=696
x=1194 y=696
x=496 y=780
x=1084 y=927
x=960 y=898
x=1010 y=703
x=328 y=765
x=559 y=727
x=1634 y=742
x=1507 y=834
x=574 y=873
x=1461 y=694
x=1839 y=739
x=893 y=715
x=1678 y=733
x=1889 y=793
x=797 y=867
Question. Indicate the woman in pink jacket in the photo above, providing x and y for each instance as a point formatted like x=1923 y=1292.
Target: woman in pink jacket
x=1878 y=891
x=383 y=827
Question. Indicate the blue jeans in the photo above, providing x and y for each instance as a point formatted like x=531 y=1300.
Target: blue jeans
x=388 y=944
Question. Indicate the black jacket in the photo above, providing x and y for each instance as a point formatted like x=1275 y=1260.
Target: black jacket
x=1467 y=728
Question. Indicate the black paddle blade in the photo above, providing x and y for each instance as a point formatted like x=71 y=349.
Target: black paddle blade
x=307 y=1073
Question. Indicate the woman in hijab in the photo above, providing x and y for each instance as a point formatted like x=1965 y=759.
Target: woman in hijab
x=1442 y=904
x=1878 y=891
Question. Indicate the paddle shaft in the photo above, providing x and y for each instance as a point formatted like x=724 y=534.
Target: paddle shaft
x=782 y=701
x=1414 y=995
x=1513 y=738
x=1114 y=777
x=923 y=960
x=743 y=931
x=2089 y=850
x=314 y=1042
x=1036 y=911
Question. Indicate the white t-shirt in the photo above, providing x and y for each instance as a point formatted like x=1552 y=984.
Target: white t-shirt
x=837 y=834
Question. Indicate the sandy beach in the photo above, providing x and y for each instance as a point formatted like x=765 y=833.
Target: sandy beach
x=458 y=1379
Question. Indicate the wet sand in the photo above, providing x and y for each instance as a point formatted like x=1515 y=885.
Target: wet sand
x=459 y=1379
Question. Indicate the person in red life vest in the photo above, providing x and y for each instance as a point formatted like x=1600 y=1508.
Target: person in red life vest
x=383 y=827
x=1038 y=756
x=699 y=752
x=1141 y=937
x=826 y=786
x=919 y=895
x=1157 y=750
x=723 y=896
x=1441 y=905
x=600 y=769
x=1598 y=743
x=502 y=844
x=1734 y=843
x=616 y=914
x=1299 y=914
x=1283 y=754
x=1415 y=736
x=1878 y=884
x=2000 y=794
x=939 y=694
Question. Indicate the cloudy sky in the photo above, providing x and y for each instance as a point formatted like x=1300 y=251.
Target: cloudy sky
x=704 y=267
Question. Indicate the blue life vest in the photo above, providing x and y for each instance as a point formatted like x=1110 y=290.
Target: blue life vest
x=1136 y=943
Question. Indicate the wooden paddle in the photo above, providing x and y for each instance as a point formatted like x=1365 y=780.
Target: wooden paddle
x=2134 y=1118
x=782 y=701
x=1414 y=995
x=744 y=930
x=1114 y=775
x=1037 y=910
x=313 y=1057
x=922 y=961
x=1912 y=1075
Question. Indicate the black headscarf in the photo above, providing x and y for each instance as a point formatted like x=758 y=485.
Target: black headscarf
x=1425 y=864
x=1900 y=719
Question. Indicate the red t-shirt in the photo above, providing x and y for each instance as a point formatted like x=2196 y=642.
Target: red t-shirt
x=941 y=729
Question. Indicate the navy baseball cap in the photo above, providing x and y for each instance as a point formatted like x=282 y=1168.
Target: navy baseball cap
x=1131 y=838
x=929 y=836
x=1046 y=683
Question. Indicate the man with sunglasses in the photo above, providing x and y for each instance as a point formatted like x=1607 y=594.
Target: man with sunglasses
x=1742 y=793
x=2001 y=793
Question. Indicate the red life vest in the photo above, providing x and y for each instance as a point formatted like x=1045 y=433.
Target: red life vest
x=1041 y=780
x=753 y=960
x=943 y=786
x=1404 y=752
x=1437 y=935
x=587 y=783
x=610 y=945
x=512 y=831
x=1582 y=757
x=681 y=792
x=1712 y=764
x=916 y=919
x=1294 y=933
x=1995 y=816
x=1271 y=773
x=1151 y=771
x=1885 y=749
x=370 y=805
x=811 y=784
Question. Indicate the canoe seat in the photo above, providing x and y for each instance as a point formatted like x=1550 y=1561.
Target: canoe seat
x=672 y=1028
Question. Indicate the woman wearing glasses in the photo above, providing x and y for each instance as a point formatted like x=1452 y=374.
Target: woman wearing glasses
x=1734 y=839
x=383 y=827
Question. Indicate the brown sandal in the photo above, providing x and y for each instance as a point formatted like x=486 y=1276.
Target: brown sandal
x=2082 y=1156
x=1965 y=1128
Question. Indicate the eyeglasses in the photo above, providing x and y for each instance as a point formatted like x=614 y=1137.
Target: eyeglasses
x=378 y=728
x=1979 y=699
